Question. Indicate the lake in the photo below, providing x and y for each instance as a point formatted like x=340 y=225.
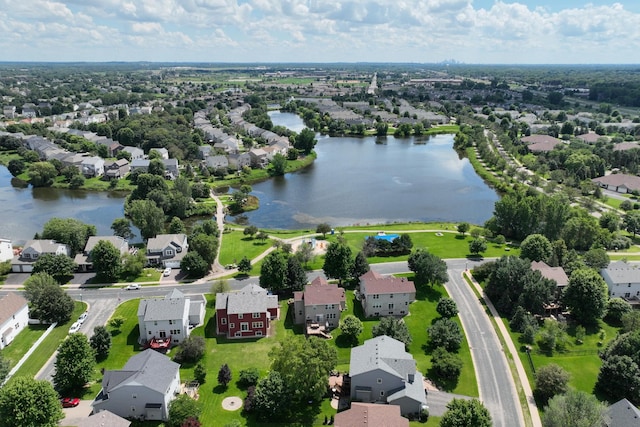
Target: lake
x=374 y=180
x=25 y=210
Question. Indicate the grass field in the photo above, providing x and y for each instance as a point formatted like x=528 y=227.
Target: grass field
x=22 y=343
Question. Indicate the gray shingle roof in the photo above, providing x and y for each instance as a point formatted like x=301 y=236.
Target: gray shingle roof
x=171 y=307
x=250 y=299
x=103 y=419
x=621 y=272
x=384 y=353
x=623 y=414
x=149 y=368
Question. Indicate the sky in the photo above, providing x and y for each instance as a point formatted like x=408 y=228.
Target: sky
x=417 y=31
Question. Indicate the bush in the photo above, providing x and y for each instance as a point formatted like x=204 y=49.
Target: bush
x=191 y=350
x=446 y=366
x=248 y=377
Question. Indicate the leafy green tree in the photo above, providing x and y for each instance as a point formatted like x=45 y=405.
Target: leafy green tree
x=304 y=365
x=445 y=333
x=100 y=342
x=76 y=181
x=156 y=167
x=610 y=221
x=147 y=216
x=586 y=296
x=296 y=276
x=125 y=136
x=270 y=400
x=551 y=380
x=41 y=174
x=466 y=413
x=148 y=184
x=394 y=328
x=59 y=266
x=27 y=402
x=176 y=226
x=48 y=301
x=250 y=230
x=323 y=228
x=536 y=247
x=617 y=308
x=619 y=378
x=16 y=167
x=205 y=245
x=631 y=321
x=191 y=350
x=351 y=328
x=581 y=232
x=194 y=265
x=262 y=236
x=337 y=261
x=279 y=164
x=181 y=409
x=200 y=373
x=248 y=377
x=631 y=222
x=74 y=364
x=360 y=265
x=273 y=272
x=305 y=141
x=304 y=253
x=122 y=227
x=463 y=227
x=446 y=367
x=106 y=260
x=69 y=231
x=116 y=322
x=133 y=264
x=224 y=375
x=574 y=408
x=428 y=268
x=476 y=246
x=244 y=266
x=596 y=258
x=382 y=129
x=447 y=308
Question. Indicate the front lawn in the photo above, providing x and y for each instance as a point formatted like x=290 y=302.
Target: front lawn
x=22 y=343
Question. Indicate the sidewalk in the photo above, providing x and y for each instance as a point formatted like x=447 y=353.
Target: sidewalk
x=522 y=375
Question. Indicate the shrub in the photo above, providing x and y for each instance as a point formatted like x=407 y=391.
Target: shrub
x=191 y=350
x=248 y=377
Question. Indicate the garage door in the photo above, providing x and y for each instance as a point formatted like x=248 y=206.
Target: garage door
x=172 y=264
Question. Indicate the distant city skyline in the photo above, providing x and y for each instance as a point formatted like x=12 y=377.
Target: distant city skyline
x=420 y=31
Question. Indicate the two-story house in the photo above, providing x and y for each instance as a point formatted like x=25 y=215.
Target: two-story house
x=92 y=166
x=23 y=263
x=83 y=260
x=169 y=320
x=246 y=313
x=142 y=389
x=319 y=303
x=623 y=280
x=116 y=169
x=167 y=249
x=383 y=372
x=135 y=152
x=14 y=317
x=6 y=250
x=384 y=295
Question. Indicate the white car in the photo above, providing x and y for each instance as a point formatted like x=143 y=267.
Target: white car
x=166 y=272
x=132 y=287
x=75 y=327
x=83 y=317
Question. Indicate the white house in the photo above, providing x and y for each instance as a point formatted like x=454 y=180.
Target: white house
x=169 y=320
x=6 y=250
x=623 y=280
x=23 y=263
x=93 y=166
x=142 y=389
x=385 y=296
x=14 y=317
x=167 y=249
x=136 y=153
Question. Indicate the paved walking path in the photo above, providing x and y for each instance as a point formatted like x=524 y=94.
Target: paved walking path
x=522 y=375
x=33 y=348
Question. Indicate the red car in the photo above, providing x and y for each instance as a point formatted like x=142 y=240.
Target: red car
x=70 y=402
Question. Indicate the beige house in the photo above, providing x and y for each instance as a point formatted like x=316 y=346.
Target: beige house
x=320 y=303
x=385 y=295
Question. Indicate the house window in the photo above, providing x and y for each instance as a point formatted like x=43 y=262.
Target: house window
x=379 y=380
x=223 y=321
x=381 y=392
x=232 y=325
x=629 y=285
x=171 y=322
x=391 y=306
x=149 y=332
x=257 y=325
x=240 y=316
x=391 y=312
x=176 y=341
x=258 y=333
x=402 y=312
x=168 y=252
x=256 y=315
x=155 y=323
x=376 y=296
x=244 y=326
x=391 y=296
x=238 y=334
x=134 y=396
x=133 y=409
x=162 y=334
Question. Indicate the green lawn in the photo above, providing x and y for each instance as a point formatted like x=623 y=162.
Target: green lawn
x=22 y=343
x=236 y=245
x=50 y=344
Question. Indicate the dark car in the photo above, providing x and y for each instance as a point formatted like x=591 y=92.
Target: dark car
x=70 y=402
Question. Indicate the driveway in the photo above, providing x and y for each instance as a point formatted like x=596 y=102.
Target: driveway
x=73 y=416
x=16 y=279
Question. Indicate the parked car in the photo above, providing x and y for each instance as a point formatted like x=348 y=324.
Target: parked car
x=75 y=327
x=166 y=272
x=70 y=402
x=230 y=266
x=83 y=317
x=133 y=287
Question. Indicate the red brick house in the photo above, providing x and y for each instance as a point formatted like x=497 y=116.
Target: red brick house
x=246 y=313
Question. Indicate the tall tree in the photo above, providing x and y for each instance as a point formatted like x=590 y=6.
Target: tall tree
x=279 y=164
x=466 y=413
x=586 y=296
x=428 y=268
x=194 y=265
x=122 y=227
x=41 y=174
x=305 y=141
x=447 y=308
x=224 y=375
x=351 y=328
x=323 y=228
x=183 y=408
x=74 y=364
x=244 y=266
x=337 y=261
x=360 y=265
x=551 y=380
x=100 y=342
x=536 y=247
x=296 y=276
x=59 y=266
x=270 y=399
x=394 y=328
x=147 y=216
x=106 y=260
x=69 y=231
x=631 y=222
x=445 y=333
x=273 y=272
x=205 y=245
x=48 y=301
x=574 y=408
x=27 y=402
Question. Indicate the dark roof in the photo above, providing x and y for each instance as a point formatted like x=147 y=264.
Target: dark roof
x=631 y=182
x=371 y=415
x=623 y=414
x=375 y=283
x=149 y=368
